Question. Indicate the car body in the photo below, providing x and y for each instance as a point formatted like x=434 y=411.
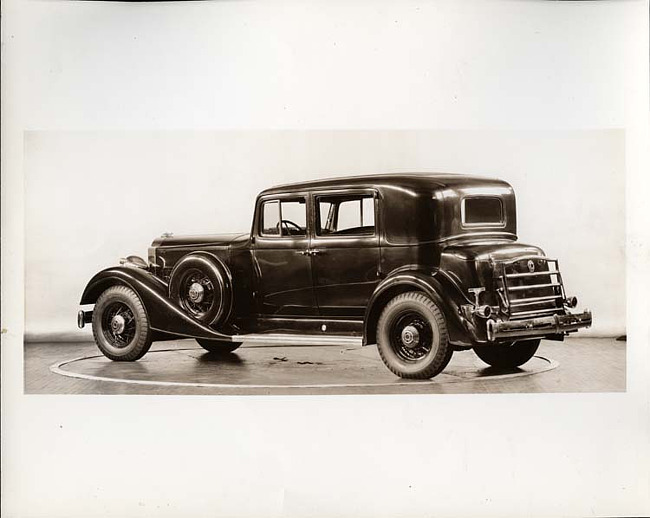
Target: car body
x=420 y=264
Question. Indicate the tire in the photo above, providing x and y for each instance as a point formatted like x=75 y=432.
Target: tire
x=201 y=285
x=508 y=356
x=217 y=346
x=412 y=337
x=121 y=325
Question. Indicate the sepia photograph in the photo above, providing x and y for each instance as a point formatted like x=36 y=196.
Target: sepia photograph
x=325 y=259
x=404 y=281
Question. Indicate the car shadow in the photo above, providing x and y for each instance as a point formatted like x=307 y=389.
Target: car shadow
x=498 y=371
x=220 y=357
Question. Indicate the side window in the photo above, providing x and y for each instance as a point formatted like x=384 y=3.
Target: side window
x=284 y=218
x=294 y=217
x=326 y=213
x=270 y=224
x=346 y=215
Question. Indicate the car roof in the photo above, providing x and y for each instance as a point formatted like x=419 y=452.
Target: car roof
x=404 y=180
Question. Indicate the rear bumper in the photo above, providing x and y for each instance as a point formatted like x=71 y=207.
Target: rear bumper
x=498 y=330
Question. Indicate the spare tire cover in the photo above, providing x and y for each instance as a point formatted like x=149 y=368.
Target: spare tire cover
x=201 y=284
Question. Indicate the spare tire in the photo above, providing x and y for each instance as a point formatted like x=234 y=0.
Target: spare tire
x=201 y=284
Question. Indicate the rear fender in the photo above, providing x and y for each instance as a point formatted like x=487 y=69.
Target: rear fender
x=439 y=288
x=164 y=315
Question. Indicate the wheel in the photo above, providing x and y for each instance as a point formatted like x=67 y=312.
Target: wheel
x=218 y=346
x=120 y=325
x=201 y=286
x=412 y=337
x=508 y=355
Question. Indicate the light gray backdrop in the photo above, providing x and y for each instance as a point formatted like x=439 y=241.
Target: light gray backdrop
x=93 y=197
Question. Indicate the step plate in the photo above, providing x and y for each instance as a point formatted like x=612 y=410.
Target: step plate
x=289 y=339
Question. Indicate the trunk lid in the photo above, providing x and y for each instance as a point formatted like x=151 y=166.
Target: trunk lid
x=519 y=278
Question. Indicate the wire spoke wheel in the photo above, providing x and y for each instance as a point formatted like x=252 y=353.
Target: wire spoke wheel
x=197 y=292
x=121 y=325
x=118 y=324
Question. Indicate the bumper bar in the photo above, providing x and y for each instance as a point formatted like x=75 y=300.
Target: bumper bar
x=83 y=318
x=537 y=327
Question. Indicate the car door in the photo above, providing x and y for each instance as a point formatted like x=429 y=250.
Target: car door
x=282 y=260
x=345 y=250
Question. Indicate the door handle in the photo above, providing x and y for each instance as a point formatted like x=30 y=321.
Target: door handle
x=304 y=252
x=316 y=251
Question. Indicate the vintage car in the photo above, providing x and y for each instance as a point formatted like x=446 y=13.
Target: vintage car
x=420 y=264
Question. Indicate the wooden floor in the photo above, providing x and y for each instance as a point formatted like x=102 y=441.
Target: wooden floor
x=576 y=365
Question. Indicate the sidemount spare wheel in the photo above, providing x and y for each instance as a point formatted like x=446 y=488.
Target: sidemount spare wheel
x=508 y=355
x=202 y=285
x=218 y=346
x=412 y=336
x=120 y=325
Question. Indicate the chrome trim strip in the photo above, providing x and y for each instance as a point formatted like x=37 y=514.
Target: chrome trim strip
x=515 y=315
x=534 y=300
x=526 y=257
x=534 y=274
x=192 y=247
x=534 y=287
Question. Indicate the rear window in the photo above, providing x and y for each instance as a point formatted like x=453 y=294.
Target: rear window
x=482 y=210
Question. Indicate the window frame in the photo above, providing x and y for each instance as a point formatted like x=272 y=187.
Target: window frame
x=500 y=224
x=280 y=198
x=345 y=193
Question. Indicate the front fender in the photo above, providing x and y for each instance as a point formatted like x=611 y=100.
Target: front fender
x=164 y=315
x=442 y=290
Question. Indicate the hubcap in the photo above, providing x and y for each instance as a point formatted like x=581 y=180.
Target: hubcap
x=196 y=293
x=410 y=336
x=118 y=324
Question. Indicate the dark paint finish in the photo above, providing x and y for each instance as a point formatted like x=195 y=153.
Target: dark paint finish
x=346 y=268
x=164 y=316
x=422 y=240
x=279 y=293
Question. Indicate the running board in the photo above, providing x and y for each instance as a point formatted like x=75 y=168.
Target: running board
x=288 y=339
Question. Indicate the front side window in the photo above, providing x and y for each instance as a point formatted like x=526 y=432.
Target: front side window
x=293 y=215
x=345 y=215
x=270 y=223
x=284 y=218
x=482 y=210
